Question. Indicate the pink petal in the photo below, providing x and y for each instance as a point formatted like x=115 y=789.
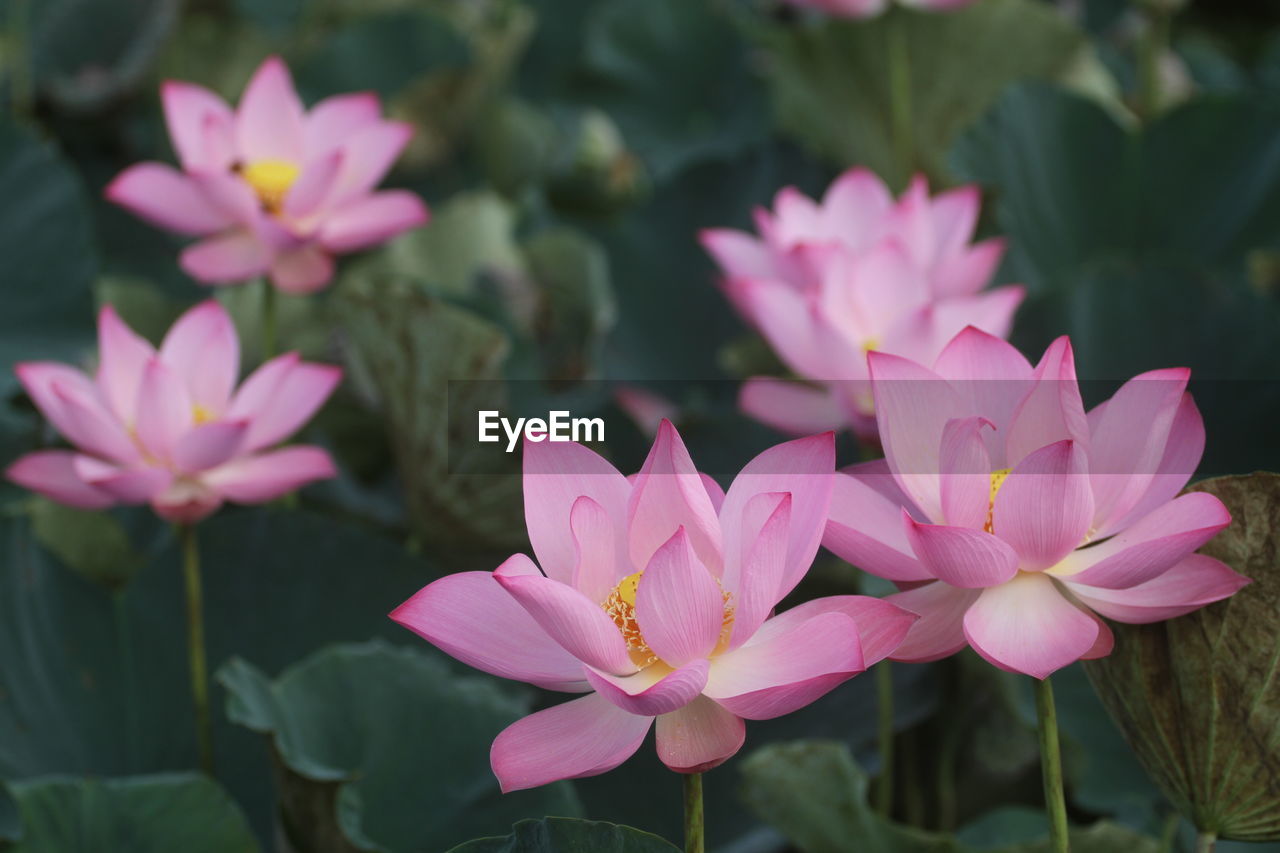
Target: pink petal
x=965 y=470
x=1149 y=547
x=369 y=155
x=699 y=736
x=991 y=376
x=203 y=350
x=858 y=200
x=167 y=198
x=991 y=311
x=1027 y=626
x=793 y=324
x=313 y=186
x=1052 y=410
x=83 y=419
x=574 y=621
x=556 y=474
x=229 y=258
x=1190 y=584
x=303 y=270
x=865 y=528
x=52 y=474
x=939 y=632
x=714 y=492
x=1045 y=507
x=127 y=485
x=186 y=502
x=652 y=691
x=866 y=294
x=782 y=670
x=1129 y=440
x=200 y=125
x=805 y=468
x=372 y=219
x=967 y=272
x=267 y=476
x=955 y=214
x=765 y=566
x=596 y=570
x=332 y=122
x=584 y=737
x=1181 y=457
x=122 y=356
x=960 y=556
x=269 y=121
x=913 y=405
x=790 y=407
x=209 y=445
x=679 y=607
x=471 y=617
x=668 y=494
x=738 y=254
x=280 y=397
x=231 y=195
x=881 y=625
x=164 y=409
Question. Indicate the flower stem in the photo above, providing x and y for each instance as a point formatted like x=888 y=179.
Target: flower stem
x=268 y=319
x=195 y=645
x=21 y=82
x=1206 y=841
x=884 y=696
x=900 y=95
x=1151 y=48
x=1051 y=767
x=694 y=830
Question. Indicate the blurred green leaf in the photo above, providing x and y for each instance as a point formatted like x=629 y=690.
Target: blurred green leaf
x=830 y=79
x=95 y=683
x=49 y=260
x=92 y=543
x=144 y=814
x=566 y=835
x=10 y=817
x=817 y=795
x=516 y=144
x=575 y=301
x=1198 y=697
x=384 y=724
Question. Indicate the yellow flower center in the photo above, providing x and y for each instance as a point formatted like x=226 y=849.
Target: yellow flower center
x=997 y=480
x=201 y=415
x=271 y=180
x=621 y=607
x=870 y=345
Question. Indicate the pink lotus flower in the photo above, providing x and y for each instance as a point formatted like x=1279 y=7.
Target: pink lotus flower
x=1013 y=520
x=826 y=283
x=871 y=8
x=272 y=188
x=170 y=428
x=656 y=603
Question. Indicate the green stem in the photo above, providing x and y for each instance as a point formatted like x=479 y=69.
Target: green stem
x=694 y=830
x=884 y=696
x=1055 y=803
x=1151 y=47
x=1206 y=841
x=900 y=95
x=21 y=85
x=268 y=319
x=195 y=645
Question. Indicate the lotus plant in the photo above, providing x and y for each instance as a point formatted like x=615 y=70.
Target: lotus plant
x=1013 y=520
x=871 y=8
x=169 y=428
x=827 y=282
x=654 y=597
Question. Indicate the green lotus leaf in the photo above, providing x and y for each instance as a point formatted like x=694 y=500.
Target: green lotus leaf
x=568 y=835
x=1198 y=697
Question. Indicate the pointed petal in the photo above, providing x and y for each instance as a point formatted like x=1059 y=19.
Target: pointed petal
x=122 y=356
x=1148 y=548
x=699 y=736
x=1177 y=465
x=229 y=258
x=127 y=485
x=209 y=445
x=939 y=632
x=164 y=409
x=87 y=423
x=967 y=272
x=556 y=474
x=314 y=185
x=1028 y=626
x=765 y=567
x=369 y=155
x=965 y=469
x=960 y=556
x=584 y=737
x=203 y=350
x=372 y=219
x=574 y=621
x=270 y=119
x=782 y=669
x=267 y=476
x=200 y=125
x=668 y=494
x=334 y=120
x=679 y=607
x=596 y=571
x=52 y=473
x=1045 y=507
x=791 y=407
x=280 y=397
x=991 y=376
x=1052 y=410
x=1190 y=584
x=865 y=528
x=652 y=691
x=881 y=625
x=858 y=201
x=738 y=253
x=166 y=198
x=471 y=617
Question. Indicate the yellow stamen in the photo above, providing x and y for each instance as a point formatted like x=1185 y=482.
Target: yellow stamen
x=870 y=345
x=621 y=607
x=997 y=480
x=271 y=180
x=201 y=415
